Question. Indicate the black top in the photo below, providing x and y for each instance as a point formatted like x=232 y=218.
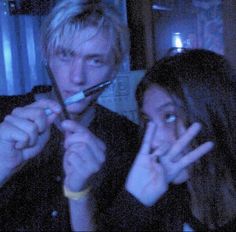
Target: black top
x=170 y=213
x=32 y=200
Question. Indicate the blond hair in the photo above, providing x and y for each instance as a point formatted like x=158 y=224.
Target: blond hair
x=70 y=16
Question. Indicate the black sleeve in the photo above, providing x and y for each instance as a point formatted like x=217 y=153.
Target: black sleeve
x=126 y=213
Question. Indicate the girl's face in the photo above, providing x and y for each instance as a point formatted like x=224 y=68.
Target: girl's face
x=160 y=108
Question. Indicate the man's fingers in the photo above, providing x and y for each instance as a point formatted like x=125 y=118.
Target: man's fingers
x=80 y=138
x=80 y=163
x=77 y=133
x=15 y=135
x=36 y=112
x=88 y=163
x=87 y=152
x=47 y=103
x=74 y=170
x=95 y=143
x=30 y=128
x=147 y=140
x=72 y=126
x=35 y=115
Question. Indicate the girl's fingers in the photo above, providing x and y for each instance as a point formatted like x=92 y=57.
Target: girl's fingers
x=159 y=154
x=147 y=140
x=195 y=155
x=184 y=140
x=161 y=150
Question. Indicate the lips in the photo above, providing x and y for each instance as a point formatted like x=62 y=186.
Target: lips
x=67 y=94
x=70 y=93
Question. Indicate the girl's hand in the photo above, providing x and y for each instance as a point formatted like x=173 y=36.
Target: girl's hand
x=148 y=179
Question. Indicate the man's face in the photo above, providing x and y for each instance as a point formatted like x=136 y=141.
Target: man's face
x=87 y=62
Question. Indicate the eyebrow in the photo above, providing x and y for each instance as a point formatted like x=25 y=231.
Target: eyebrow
x=63 y=49
x=160 y=108
x=71 y=51
x=165 y=105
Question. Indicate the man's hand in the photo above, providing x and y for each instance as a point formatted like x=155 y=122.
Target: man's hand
x=23 y=134
x=84 y=155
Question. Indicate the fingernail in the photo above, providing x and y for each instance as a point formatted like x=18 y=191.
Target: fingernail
x=211 y=144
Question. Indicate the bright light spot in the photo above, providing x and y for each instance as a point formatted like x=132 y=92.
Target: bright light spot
x=177 y=40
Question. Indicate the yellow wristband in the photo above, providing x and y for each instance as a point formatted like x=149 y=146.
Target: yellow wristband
x=75 y=195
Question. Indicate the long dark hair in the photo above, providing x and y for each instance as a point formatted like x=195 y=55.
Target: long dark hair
x=206 y=86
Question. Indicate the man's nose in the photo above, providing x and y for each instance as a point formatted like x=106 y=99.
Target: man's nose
x=77 y=72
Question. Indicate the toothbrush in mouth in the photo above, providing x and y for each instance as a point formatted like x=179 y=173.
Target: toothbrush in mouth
x=82 y=94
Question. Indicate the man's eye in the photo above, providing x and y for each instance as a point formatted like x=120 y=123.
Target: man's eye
x=95 y=62
x=170 y=118
x=65 y=56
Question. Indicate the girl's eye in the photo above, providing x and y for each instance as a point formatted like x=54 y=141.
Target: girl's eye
x=169 y=118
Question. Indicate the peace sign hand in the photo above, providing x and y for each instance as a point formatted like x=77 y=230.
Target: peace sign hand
x=148 y=180
x=177 y=159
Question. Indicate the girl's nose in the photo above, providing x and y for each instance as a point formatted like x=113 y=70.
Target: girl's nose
x=163 y=138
